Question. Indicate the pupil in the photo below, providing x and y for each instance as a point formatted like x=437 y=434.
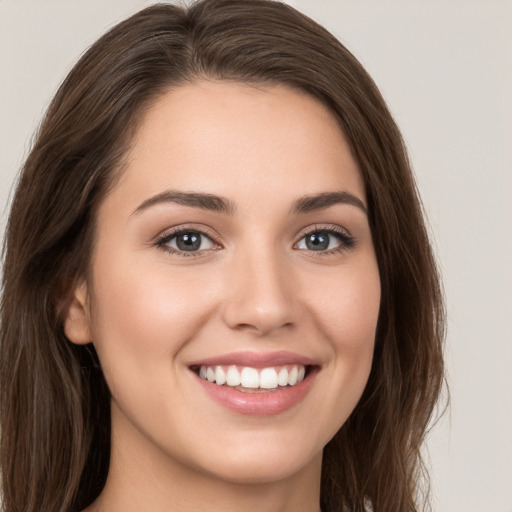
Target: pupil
x=188 y=242
x=317 y=241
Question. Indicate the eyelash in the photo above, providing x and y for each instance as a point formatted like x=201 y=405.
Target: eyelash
x=347 y=242
x=163 y=240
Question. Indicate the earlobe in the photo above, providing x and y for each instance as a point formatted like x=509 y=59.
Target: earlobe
x=76 y=316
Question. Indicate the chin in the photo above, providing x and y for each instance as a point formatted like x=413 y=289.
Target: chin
x=263 y=470
x=269 y=459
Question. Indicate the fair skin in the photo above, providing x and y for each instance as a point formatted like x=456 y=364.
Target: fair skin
x=257 y=275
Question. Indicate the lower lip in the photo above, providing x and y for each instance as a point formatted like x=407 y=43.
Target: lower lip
x=261 y=403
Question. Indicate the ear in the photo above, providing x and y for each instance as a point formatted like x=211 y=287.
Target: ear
x=76 y=315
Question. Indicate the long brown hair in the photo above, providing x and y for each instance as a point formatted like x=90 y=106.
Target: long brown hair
x=55 y=416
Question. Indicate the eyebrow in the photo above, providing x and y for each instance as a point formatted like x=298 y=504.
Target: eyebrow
x=219 y=204
x=193 y=199
x=314 y=202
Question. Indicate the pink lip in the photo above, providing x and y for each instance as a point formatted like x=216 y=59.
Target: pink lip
x=258 y=404
x=256 y=359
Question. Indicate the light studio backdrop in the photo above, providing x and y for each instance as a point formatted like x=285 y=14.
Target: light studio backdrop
x=445 y=69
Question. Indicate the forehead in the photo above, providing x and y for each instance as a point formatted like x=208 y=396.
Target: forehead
x=235 y=139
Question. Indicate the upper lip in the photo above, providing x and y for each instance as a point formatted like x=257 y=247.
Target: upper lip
x=255 y=359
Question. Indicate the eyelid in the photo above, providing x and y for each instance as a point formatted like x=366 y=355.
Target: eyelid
x=323 y=227
x=346 y=239
x=162 y=239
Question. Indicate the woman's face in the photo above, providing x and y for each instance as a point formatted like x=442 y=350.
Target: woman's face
x=236 y=246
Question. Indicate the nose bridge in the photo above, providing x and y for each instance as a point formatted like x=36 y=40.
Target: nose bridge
x=260 y=290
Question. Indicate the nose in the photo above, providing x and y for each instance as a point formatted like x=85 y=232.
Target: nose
x=260 y=294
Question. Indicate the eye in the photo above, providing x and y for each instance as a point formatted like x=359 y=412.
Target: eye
x=187 y=241
x=322 y=240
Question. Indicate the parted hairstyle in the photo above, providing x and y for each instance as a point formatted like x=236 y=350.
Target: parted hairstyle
x=55 y=404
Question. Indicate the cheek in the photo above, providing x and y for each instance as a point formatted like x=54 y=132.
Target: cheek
x=343 y=309
x=146 y=315
x=142 y=321
x=346 y=308
x=346 y=314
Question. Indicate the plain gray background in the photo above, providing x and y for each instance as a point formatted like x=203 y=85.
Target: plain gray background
x=445 y=68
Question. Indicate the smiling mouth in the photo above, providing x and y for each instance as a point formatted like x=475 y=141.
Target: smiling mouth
x=254 y=380
x=257 y=384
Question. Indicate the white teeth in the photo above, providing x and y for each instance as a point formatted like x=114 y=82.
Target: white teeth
x=282 y=378
x=220 y=376
x=292 y=376
x=232 y=376
x=247 y=377
x=268 y=378
x=250 y=378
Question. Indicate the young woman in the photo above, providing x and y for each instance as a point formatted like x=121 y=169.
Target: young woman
x=218 y=289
